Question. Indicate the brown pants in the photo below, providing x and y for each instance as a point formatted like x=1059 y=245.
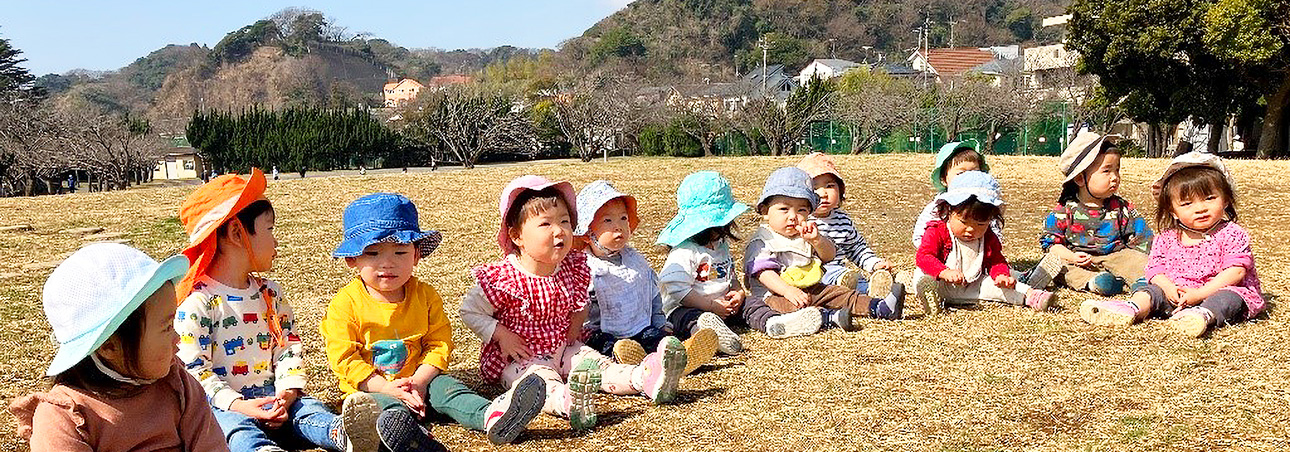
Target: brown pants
x=757 y=312
x=1127 y=264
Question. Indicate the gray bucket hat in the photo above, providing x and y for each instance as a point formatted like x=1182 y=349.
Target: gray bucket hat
x=594 y=196
x=792 y=182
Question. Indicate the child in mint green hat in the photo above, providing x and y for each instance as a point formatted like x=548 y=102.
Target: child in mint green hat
x=954 y=158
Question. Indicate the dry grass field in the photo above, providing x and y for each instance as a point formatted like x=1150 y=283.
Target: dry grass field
x=998 y=378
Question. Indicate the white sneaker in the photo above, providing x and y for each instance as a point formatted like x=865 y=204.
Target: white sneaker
x=358 y=415
x=511 y=412
x=801 y=322
x=727 y=341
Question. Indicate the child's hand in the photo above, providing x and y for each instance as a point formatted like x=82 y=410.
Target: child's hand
x=809 y=232
x=511 y=344
x=1081 y=259
x=1005 y=281
x=882 y=265
x=271 y=417
x=733 y=300
x=798 y=298
x=1186 y=297
x=401 y=390
x=288 y=397
x=951 y=276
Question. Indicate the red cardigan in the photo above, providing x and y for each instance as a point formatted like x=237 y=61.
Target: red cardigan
x=937 y=244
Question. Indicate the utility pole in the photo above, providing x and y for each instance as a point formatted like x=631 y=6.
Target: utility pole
x=951 y=24
x=833 y=48
x=765 y=46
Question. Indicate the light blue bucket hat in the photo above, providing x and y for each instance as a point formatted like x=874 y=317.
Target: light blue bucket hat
x=703 y=201
x=973 y=183
x=792 y=182
x=90 y=294
x=944 y=155
x=594 y=196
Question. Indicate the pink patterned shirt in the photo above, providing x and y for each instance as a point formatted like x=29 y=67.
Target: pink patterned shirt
x=1193 y=266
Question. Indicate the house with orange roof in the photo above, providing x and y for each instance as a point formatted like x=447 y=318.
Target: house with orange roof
x=398 y=94
x=949 y=64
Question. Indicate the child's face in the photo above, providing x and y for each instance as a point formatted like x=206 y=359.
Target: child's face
x=547 y=236
x=786 y=215
x=157 y=343
x=1200 y=212
x=612 y=227
x=957 y=169
x=263 y=242
x=830 y=192
x=966 y=229
x=385 y=267
x=1102 y=178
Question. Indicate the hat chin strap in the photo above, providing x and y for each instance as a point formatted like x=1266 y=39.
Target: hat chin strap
x=117 y=375
x=275 y=329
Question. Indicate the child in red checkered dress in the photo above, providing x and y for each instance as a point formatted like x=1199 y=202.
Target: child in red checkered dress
x=529 y=307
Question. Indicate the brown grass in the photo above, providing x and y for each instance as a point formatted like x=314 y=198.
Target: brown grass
x=992 y=379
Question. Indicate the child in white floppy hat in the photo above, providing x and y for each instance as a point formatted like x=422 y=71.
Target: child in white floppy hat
x=112 y=309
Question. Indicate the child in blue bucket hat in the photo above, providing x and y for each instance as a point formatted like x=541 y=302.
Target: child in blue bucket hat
x=954 y=158
x=700 y=290
x=111 y=308
x=625 y=314
x=387 y=333
x=783 y=264
x=961 y=259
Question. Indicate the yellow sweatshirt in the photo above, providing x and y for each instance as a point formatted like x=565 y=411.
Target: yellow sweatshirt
x=365 y=336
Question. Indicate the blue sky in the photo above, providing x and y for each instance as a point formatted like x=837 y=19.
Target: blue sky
x=107 y=35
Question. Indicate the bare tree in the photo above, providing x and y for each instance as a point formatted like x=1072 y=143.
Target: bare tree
x=707 y=123
x=119 y=149
x=470 y=121
x=31 y=142
x=592 y=112
x=871 y=105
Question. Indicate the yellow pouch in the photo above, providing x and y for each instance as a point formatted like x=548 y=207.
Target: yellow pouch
x=804 y=276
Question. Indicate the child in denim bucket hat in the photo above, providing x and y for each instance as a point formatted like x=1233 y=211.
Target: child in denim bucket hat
x=961 y=259
x=954 y=158
x=387 y=334
x=237 y=330
x=117 y=383
x=783 y=263
x=529 y=307
x=625 y=315
x=700 y=290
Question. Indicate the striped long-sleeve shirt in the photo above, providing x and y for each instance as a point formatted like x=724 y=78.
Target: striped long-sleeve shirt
x=850 y=242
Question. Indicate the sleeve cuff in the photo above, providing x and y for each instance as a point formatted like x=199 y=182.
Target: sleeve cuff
x=289 y=382
x=224 y=399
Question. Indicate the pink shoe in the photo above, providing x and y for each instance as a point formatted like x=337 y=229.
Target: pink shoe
x=1039 y=300
x=663 y=370
x=1117 y=313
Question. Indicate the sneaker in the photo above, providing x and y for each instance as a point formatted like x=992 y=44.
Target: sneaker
x=1193 y=321
x=1117 y=313
x=849 y=278
x=699 y=349
x=627 y=351
x=1105 y=284
x=511 y=412
x=400 y=431
x=837 y=318
x=584 y=384
x=358 y=420
x=1039 y=300
x=663 y=371
x=797 y=323
x=879 y=283
x=892 y=307
x=929 y=295
x=727 y=341
x=1139 y=285
x=1045 y=271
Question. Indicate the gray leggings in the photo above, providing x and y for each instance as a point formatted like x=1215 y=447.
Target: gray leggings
x=1226 y=305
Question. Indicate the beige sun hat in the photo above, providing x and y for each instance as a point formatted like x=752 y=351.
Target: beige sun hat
x=1190 y=159
x=1081 y=152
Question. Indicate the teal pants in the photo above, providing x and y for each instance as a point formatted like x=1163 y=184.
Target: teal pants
x=447 y=396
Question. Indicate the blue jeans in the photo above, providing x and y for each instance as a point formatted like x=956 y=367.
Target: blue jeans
x=834 y=272
x=309 y=424
x=604 y=342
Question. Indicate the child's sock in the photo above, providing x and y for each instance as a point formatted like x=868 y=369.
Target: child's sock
x=356 y=427
x=797 y=323
x=1044 y=272
x=727 y=341
x=838 y=318
x=892 y=306
x=511 y=412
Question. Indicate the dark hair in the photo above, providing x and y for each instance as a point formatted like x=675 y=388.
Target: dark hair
x=247 y=216
x=532 y=202
x=85 y=375
x=715 y=233
x=961 y=155
x=1187 y=183
x=1070 y=189
x=972 y=209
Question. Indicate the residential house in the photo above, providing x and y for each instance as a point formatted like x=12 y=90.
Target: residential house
x=723 y=97
x=824 y=68
x=946 y=65
x=775 y=84
x=444 y=81
x=398 y=94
